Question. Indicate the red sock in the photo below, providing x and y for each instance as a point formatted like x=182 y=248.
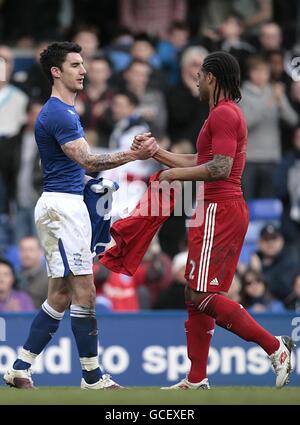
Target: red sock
x=199 y=330
x=233 y=317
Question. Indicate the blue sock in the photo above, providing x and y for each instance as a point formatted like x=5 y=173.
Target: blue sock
x=91 y=376
x=20 y=365
x=43 y=327
x=84 y=327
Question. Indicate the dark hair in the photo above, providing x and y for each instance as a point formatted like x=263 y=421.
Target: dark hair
x=86 y=28
x=179 y=25
x=246 y=299
x=8 y=264
x=145 y=37
x=237 y=16
x=139 y=62
x=133 y=99
x=55 y=55
x=226 y=69
x=103 y=58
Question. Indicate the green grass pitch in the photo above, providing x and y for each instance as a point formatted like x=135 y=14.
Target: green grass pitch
x=151 y=396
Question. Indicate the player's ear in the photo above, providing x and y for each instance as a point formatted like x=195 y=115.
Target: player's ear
x=55 y=71
x=210 y=78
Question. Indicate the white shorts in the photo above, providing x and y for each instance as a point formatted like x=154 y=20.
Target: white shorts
x=65 y=232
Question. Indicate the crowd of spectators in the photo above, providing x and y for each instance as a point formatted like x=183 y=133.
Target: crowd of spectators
x=142 y=59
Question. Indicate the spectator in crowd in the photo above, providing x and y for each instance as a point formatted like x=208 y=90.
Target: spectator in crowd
x=144 y=49
x=13 y=104
x=27 y=174
x=186 y=113
x=274 y=262
x=293 y=300
x=270 y=37
x=33 y=276
x=118 y=51
x=231 y=41
x=287 y=188
x=170 y=49
x=263 y=104
x=13 y=100
x=88 y=38
x=119 y=293
x=173 y=296
x=253 y=14
x=151 y=101
x=255 y=295
x=93 y=104
x=10 y=298
x=278 y=74
x=152 y=16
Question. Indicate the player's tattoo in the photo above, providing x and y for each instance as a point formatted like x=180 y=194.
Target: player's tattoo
x=107 y=161
x=220 y=167
x=79 y=151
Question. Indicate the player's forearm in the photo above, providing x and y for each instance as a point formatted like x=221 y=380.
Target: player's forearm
x=199 y=173
x=101 y=162
x=79 y=151
x=175 y=160
x=217 y=169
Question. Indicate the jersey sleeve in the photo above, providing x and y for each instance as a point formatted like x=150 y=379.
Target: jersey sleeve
x=224 y=125
x=65 y=126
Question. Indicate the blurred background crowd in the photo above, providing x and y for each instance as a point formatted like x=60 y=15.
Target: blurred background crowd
x=142 y=59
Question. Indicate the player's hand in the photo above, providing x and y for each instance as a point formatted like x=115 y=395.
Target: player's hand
x=167 y=175
x=138 y=141
x=147 y=149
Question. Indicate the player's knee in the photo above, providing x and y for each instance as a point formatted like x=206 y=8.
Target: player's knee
x=197 y=297
x=187 y=295
x=85 y=296
x=60 y=300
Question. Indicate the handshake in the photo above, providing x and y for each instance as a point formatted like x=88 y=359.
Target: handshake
x=144 y=146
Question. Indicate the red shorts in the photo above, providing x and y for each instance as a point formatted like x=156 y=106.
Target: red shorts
x=215 y=246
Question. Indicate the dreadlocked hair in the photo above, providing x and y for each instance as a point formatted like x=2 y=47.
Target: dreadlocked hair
x=226 y=69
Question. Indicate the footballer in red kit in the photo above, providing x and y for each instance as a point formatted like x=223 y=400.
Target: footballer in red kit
x=215 y=244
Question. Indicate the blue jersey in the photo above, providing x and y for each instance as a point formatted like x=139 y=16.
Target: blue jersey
x=57 y=124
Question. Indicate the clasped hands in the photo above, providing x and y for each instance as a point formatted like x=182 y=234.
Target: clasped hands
x=146 y=146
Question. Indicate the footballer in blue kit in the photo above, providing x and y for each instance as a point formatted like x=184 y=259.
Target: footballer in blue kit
x=63 y=221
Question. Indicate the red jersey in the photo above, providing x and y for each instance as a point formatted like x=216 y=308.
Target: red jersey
x=224 y=133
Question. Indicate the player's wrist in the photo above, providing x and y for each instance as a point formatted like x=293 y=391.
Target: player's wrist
x=158 y=153
x=132 y=155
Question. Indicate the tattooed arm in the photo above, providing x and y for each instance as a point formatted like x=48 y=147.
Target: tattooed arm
x=217 y=169
x=79 y=151
x=220 y=167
